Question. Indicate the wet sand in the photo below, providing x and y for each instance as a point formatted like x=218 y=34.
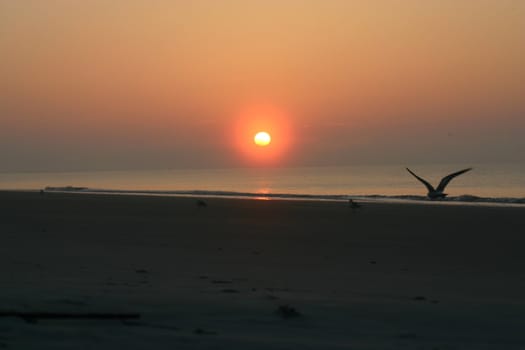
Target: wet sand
x=254 y=274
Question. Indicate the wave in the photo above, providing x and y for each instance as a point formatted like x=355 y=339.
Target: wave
x=466 y=198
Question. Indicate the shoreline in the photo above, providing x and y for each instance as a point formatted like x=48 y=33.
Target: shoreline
x=381 y=199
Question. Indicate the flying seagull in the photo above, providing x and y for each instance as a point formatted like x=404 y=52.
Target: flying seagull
x=434 y=193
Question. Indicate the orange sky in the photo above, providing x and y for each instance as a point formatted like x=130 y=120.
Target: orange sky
x=166 y=84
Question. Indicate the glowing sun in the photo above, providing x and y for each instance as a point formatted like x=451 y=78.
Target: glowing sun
x=262 y=138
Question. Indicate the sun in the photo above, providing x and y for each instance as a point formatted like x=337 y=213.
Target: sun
x=262 y=138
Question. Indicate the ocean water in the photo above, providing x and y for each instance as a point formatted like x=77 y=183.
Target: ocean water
x=493 y=182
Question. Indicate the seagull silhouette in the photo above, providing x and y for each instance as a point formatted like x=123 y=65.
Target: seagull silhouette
x=434 y=193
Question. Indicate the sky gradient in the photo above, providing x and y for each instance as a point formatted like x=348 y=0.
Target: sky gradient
x=95 y=85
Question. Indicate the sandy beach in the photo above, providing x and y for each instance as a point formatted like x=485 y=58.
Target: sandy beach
x=256 y=274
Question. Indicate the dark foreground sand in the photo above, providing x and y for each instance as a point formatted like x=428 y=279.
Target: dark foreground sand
x=389 y=276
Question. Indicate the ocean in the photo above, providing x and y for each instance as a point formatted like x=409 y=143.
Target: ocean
x=489 y=182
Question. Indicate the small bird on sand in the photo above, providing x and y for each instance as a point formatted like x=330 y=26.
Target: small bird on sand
x=201 y=203
x=353 y=204
x=435 y=193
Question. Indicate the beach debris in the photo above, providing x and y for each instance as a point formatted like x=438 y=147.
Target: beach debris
x=149 y=325
x=72 y=302
x=221 y=282
x=230 y=291
x=201 y=331
x=201 y=203
x=422 y=298
x=354 y=205
x=277 y=289
x=373 y=262
x=286 y=311
x=33 y=317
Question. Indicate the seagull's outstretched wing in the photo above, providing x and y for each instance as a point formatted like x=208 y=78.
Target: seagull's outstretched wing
x=444 y=181
x=428 y=186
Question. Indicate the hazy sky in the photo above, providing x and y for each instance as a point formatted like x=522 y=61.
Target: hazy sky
x=173 y=84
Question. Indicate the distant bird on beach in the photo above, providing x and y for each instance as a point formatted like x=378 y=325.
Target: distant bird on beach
x=201 y=203
x=354 y=205
x=434 y=193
